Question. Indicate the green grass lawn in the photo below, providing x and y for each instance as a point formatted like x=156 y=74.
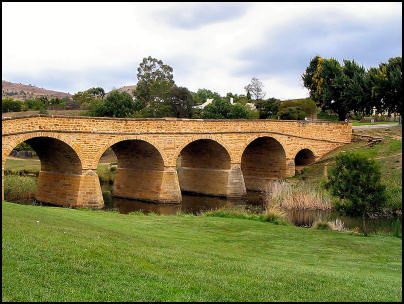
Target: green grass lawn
x=61 y=254
x=364 y=123
x=32 y=165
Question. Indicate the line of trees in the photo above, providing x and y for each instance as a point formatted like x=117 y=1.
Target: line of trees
x=337 y=88
x=350 y=88
x=42 y=104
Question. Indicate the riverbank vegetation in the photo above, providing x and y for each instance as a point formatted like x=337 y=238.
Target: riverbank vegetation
x=62 y=254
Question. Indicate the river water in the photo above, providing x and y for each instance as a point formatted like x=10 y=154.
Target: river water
x=196 y=204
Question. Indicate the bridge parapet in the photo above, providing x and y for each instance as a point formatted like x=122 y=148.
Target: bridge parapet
x=332 y=131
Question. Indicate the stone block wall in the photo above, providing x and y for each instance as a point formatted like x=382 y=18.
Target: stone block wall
x=73 y=146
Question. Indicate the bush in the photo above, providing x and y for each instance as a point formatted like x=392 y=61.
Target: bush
x=11 y=105
x=356 y=180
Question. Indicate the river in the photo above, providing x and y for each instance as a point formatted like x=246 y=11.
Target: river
x=196 y=204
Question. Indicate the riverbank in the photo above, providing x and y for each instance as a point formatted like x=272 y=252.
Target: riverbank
x=61 y=254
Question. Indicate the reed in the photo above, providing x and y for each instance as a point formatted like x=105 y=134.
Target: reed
x=19 y=188
x=296 y=196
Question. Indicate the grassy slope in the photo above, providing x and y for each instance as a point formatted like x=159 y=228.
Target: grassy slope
x=59 y=254
x=388 y=154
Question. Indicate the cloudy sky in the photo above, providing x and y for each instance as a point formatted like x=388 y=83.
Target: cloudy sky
x=220 y=46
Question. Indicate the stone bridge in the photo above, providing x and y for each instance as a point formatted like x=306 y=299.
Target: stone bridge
x=159 y=158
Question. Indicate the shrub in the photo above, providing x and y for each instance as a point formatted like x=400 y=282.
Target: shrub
x=11 y=105
x=356 y=181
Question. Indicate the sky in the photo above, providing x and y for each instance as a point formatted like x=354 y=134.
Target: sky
x=71 y=47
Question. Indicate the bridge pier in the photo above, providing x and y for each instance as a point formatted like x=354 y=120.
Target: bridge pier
x=147 y=184
x=71 y=190
x=235 y=182
x=290 y=167
x=215 y=182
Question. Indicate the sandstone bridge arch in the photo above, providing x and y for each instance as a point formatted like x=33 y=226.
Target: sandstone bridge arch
x=157 y=158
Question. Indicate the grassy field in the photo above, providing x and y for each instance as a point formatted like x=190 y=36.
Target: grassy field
x=50 y=112
x=31 y=165
x=365 y=123
x=61 y=254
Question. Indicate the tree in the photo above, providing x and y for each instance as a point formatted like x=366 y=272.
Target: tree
x=218 y=109
x=181 y=102
x=222 y=109
x=155 y=79
x=386 y=86
x=339 y=88
x=356 y=181
x=297 y=109
x=268 y=108
x=10 y=105
x=96 y=92
x=202 y=94
x=115 y=104
x=85 y=99
x=255 y=89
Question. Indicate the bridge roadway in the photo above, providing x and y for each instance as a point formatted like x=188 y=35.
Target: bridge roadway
x=160 y=158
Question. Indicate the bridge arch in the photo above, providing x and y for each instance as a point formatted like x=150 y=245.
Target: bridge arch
x=263 y=159
x=140 y=169
x=57 y=139
x=203 y=167
x=59 y=178
x=304 y=157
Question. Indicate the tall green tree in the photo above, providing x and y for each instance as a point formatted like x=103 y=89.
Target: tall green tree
x=85 y=99
x=201 y=95
x=268 y=108
x=338 y=88
x=222 y=109
x=96 y=92
x=115 y=104
x=181 y=102
x=386 y=86
x=155 y=80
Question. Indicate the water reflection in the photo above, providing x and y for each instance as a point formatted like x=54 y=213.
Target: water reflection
x=197 y=204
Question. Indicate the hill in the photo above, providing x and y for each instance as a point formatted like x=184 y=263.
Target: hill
x=26 y=91
x=127 y=89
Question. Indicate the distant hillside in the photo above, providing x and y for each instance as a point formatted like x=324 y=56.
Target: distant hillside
x=127 y=89
x=27 y=91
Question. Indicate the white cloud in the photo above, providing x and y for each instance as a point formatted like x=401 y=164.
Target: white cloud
x=78 y=38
